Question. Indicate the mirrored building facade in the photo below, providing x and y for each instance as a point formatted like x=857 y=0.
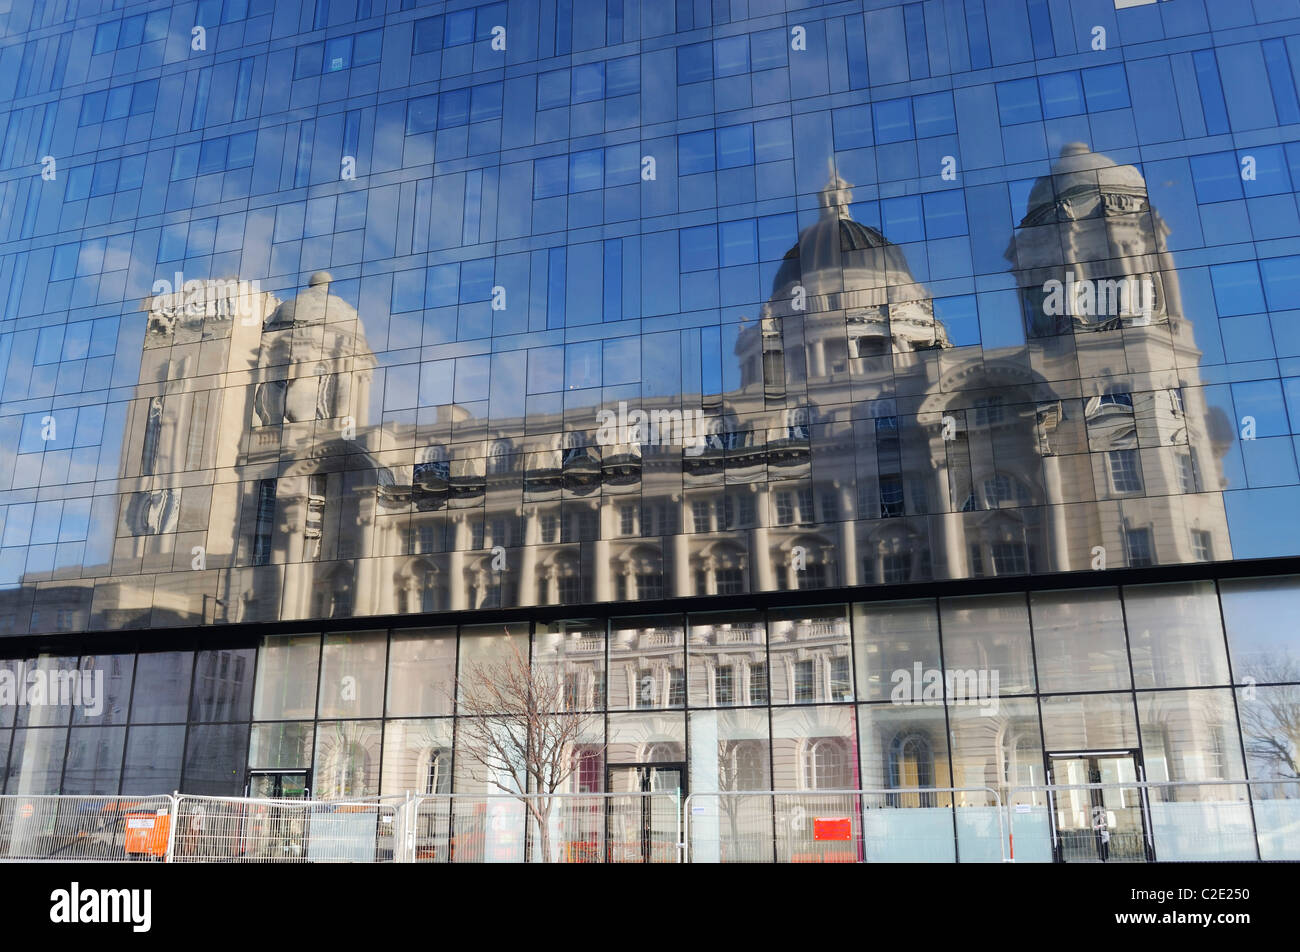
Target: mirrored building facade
x=736 y=355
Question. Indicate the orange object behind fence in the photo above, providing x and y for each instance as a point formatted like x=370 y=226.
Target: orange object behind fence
x=147 y=832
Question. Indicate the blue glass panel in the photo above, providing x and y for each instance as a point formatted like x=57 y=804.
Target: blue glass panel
x=934 y=115
x=1106 y=87
x=893 y=120
x=1062 y=94
x=695 y=153
x=459 y=28
x=735 y=146
x=588 y=82
x=694 y=63
x=1236 y=288
x=1018 y=102
x=427 y=35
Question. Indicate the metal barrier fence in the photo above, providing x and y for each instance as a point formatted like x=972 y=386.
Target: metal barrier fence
x=1125 y=821
x=930 y=824
x=582 y=828
x=1144 y=821
x=84 y=829
x=253 y=830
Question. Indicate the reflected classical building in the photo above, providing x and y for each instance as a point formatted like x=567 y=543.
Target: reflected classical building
x=949 y=455
x=858 y=446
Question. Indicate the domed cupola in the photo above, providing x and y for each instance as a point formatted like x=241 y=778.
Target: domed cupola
x=1083 y=184
x=319 y=336
x=846 y=271
x=1090 y=251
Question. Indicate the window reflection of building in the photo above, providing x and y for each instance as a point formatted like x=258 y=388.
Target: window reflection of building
x=911 y=765
x=596 y=523
x=437 y=771
x=825 y=764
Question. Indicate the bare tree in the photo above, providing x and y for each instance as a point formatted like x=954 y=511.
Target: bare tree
x=1270 y=720
x=516 y=724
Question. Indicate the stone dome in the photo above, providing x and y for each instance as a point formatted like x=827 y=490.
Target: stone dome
x=315 y=305
x=847 y=267
x=1080 y=174
x=822 y=260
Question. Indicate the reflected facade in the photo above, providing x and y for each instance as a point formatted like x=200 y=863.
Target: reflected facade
x=381 y=323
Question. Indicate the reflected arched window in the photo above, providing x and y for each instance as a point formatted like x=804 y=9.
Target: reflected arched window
x=346 y=768
x=326 y=393
x=433 y=465
x=1001 y=490
x=911 y=764
x=657 y=753
x=797 y=423
x=427 y=593
x=746 y=765
x=152 y=437
x=575 y=448
x=499 y=461
x=334 y=594
x=437 y=772
x=825 y=765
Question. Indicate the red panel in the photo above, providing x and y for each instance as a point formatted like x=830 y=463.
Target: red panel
x=832 y=828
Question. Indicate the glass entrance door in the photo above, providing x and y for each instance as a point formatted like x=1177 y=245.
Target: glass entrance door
x=1106 y=824
x=643 y=826
x=278 y=784
x=274 y=830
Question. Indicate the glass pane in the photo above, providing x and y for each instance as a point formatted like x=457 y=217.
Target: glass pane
x=1260 y=616
x=223 y=685
x=422 y=671
x=1067 y=662
x=347 y=759
x=647 y=738
x=730 y=752
x=153 y=760
x=286 y=677
x=814 y=748
x=286 y=746
x=417 y=756
x=647 y=663
x=162 y=687
x=573 y=654
x=52 y=685
x=12 y=673
x=1187 y=736
x=489 y=651
x=1268 y=731
x=105 y=689
x=905 y=748
x=1000 y=750
x=810 y=655
x=1090 y=722
x=728 y=659
x=892 y=642
x=1175 y=635
x=36 y=760
x=214 y=759
x=986 y=647
x=352 y=674
x=94 y=760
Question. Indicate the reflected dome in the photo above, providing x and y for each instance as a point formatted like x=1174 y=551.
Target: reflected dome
x=1082 y=184
x=842 y=265
x=315 y=305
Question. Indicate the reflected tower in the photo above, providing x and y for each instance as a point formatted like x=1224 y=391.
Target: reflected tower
x=1102 y=306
